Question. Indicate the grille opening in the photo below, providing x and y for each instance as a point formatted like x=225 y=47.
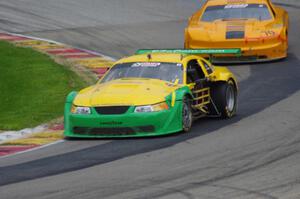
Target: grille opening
x=235 y=35
x=103 y=131
x=112 y=110
x=108 y=131
x=146 y=129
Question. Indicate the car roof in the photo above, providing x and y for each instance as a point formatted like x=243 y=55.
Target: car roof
x=159 y=57
x=224 y=2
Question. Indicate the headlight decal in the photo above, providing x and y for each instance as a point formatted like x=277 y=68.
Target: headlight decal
x=81 y=110
x=143 y=109
x=152 y=108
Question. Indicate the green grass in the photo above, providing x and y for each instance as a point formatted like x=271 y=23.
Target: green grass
x=32 y=87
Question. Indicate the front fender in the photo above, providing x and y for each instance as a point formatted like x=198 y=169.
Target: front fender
x=68 y=104
x=178 y=95
x=71 y=96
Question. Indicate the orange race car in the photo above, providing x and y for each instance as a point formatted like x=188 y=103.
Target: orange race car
x=257 y=27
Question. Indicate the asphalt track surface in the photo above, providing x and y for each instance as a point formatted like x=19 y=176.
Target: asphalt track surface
x=254 y=155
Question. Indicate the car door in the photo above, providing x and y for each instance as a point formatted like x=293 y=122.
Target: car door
x=197 y=79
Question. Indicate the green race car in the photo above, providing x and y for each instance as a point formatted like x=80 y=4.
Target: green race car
x=152 y=93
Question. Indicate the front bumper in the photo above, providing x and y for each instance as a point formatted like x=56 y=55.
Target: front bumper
x=129 y=124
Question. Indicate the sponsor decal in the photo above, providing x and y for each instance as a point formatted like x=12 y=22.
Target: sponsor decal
x=146 y=64
x=230 y=6
x=268 y=33
x=111 y=123
x=193 y=51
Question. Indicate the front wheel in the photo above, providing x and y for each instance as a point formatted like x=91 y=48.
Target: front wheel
x=187 y=115
x=224 y=95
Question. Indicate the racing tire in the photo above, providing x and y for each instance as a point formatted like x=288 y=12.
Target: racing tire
x=67 y=138
x=187 y=115
x=224 y=96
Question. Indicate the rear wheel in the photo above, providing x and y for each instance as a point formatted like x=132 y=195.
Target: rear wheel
x=187 y=115
x=224 y=95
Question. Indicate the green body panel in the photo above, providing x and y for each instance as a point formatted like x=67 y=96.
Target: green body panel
x=164 y=122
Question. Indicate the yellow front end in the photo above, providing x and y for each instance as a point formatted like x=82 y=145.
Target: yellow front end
x=124 y=92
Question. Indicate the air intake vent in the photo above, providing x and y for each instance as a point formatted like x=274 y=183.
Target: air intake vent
x=111 y=131
x=112 y=110
x=235 y=35
x=104 y=131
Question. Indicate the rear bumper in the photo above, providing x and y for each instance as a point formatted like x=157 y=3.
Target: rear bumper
x=243 y=59
x=252 y=51
x=124 y=125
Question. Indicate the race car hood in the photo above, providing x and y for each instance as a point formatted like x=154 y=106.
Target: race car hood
x=129 y=92
x=235 y=29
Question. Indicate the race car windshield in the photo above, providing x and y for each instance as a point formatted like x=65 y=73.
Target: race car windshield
x=237 y=11
x=164 y=71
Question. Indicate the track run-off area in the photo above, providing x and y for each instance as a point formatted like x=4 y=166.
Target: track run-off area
x=254 y=155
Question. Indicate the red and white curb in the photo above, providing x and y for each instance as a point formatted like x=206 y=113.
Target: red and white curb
x=97 y=63
x=13 y=135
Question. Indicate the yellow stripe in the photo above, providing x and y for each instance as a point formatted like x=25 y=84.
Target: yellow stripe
x=48 y=46
x=98 y=65
x=91 y=60
x=31 y=43
x=37 y=139
x=173 y=99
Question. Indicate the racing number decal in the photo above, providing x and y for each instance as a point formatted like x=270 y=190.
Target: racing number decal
x=268 y=33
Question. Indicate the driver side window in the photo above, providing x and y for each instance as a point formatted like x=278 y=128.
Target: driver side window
x=207 y=66
x=194 y=72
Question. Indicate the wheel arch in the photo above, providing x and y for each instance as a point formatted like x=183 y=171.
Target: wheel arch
x=182 y=92
x=71 y=96
x=230 y=78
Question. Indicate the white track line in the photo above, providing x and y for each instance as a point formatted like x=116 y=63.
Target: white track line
x=33 y=149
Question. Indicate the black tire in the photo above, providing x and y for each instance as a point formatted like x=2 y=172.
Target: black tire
x=68 y=138
x=224 y=95
x=187 y=115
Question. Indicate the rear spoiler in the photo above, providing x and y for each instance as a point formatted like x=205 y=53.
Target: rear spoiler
x=209 y=52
